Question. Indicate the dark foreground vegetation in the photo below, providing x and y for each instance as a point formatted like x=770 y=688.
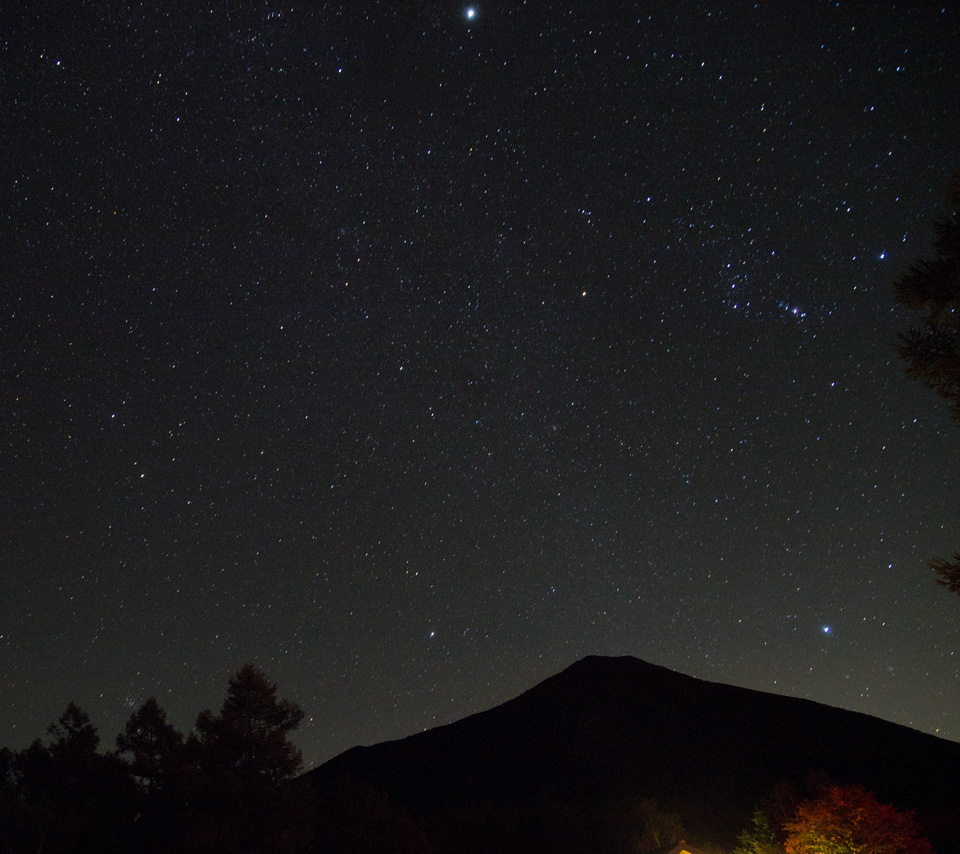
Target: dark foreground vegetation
x=226 y=787
x=930 y=351
x=612 y=755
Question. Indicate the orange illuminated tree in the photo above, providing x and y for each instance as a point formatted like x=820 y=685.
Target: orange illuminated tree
x=850 y=820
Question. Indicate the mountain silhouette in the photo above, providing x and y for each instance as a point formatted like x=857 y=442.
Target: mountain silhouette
x=571 y=765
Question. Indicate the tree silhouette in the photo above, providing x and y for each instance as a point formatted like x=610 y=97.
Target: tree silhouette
x=74 y=737
x=850 y=820
x=153 y=744
x=64 y=796
x=251 y=733
x=226 y=790
x=242 y=759
x=156 y=760
x=28 y=806
x=930 y=287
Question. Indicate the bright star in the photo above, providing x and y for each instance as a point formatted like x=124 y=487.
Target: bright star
x=471 y=13
x=826 y=630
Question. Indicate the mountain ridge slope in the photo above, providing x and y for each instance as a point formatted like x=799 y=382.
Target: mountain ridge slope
x=607 y=731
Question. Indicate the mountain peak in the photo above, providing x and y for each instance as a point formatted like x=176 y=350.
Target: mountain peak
x=607 y=730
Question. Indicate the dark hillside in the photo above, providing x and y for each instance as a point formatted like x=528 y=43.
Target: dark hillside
x=584 y=745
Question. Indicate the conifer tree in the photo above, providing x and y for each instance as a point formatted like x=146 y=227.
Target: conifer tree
x=153 y=744
x=251 y=733
x=930 y=287
x=243 y=757
x=759 y=838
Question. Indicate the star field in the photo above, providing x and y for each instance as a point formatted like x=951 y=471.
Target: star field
x=415 y=353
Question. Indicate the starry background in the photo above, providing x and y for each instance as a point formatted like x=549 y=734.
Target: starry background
x=414 y=353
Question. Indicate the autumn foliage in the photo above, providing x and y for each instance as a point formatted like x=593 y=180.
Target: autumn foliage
x=850 y=820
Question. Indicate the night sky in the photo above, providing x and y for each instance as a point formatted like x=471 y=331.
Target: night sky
x=413 y=351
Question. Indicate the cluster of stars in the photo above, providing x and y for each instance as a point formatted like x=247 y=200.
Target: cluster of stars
x=416 y=353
